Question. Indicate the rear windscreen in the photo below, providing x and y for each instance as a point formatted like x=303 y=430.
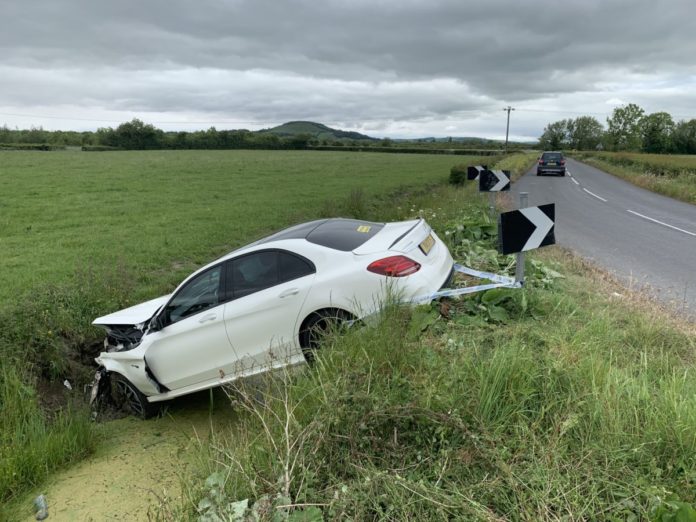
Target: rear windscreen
x=344 y=234
x=552 y=156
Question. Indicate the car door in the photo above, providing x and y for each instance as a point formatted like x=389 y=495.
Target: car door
x=192 y=347
x=268 y=289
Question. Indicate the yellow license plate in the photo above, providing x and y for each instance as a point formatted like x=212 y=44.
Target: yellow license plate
x=427 y=244
x=552 y=163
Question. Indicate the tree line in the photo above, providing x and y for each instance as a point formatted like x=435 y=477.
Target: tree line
x=137 y=135
x=629 y=128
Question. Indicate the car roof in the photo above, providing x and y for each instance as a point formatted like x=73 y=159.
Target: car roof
x=338 y=233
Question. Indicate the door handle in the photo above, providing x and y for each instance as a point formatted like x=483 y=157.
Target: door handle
x=207 y=317
x=289 y=292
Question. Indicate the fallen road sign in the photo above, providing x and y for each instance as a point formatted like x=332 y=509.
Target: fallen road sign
x=473 y=172
x=494 y=180
x=526 y=229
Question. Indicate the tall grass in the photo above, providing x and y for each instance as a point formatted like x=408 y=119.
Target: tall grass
x=518 y=422
x=579 y=407
x=31 y=445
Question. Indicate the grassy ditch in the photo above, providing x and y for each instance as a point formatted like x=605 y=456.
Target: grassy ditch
x=671 y=175
x=570 y=399
x=32 y=443
x=83 y=235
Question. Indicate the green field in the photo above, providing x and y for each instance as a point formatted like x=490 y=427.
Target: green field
x=163 y=212
x=671 y=175
x=571 y=399
x=83 y=234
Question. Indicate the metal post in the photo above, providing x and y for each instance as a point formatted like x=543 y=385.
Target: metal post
x=491 y=205
x=519 y=266
x=507 y=129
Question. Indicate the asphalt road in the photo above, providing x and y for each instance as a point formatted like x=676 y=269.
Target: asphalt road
x=645 y=239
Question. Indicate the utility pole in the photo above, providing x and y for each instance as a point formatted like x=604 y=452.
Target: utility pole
x=507 y=130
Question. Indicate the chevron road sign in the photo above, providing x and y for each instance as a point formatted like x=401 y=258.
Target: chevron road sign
x=494 y=180
x=526 y=229
x=473 y=172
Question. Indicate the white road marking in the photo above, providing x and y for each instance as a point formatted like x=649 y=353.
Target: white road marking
x=574 y=181
x=595 y=195
x=661 y=223
x=568 y=172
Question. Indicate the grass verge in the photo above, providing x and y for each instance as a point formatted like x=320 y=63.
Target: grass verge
x=673 y=176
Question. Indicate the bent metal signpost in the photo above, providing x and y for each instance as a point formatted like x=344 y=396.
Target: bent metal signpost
x=518 y=231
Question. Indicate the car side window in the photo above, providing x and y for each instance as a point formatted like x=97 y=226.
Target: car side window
x=199 y=294
x=252 y=273
x=292 y=266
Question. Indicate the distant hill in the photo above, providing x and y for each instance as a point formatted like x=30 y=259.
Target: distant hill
x=316 y=130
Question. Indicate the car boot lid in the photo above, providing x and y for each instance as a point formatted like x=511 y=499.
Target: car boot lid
x=133 y=315
x=398 y=237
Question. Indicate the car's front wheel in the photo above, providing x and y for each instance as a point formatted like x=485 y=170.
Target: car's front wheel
x=127 y=397
x=316 y=327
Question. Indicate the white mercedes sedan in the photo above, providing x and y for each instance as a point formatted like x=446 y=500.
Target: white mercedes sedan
x=264 y=306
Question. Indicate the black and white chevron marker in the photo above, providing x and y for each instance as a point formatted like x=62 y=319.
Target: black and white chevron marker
x=494 y=180
x=473 y=172
x=526 y=229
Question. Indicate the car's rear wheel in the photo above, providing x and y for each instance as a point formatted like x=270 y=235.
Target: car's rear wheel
x=317 y=326
x=127 y=397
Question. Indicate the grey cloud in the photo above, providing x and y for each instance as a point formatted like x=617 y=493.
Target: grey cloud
x=261 y=95
x=331 y=39
x=393 y=59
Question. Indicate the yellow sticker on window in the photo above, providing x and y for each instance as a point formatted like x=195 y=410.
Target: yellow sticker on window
x=364 y=228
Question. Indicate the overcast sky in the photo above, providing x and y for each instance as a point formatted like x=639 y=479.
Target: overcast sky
x=398 y=68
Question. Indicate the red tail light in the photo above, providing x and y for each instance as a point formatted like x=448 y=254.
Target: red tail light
x=394 y=266
x=562 y=162
x=541 y=162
